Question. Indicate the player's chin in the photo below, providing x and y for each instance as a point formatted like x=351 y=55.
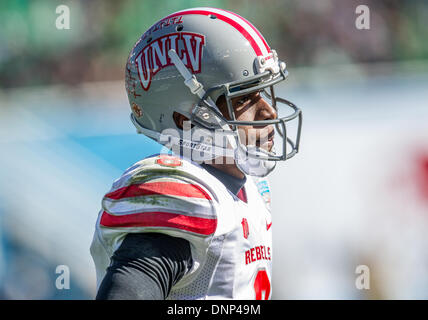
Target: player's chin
x=267 y=146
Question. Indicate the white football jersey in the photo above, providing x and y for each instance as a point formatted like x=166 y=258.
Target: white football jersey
x=230 y=239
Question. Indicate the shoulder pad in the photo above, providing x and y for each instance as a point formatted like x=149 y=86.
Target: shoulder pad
x=160 y=193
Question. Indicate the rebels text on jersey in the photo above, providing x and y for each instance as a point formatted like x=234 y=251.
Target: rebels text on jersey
x=230 y=237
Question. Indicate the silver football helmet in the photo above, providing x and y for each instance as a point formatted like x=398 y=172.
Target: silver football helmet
x=189 y=59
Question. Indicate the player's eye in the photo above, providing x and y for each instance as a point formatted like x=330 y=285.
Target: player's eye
x=247 y=98
x=243 y=100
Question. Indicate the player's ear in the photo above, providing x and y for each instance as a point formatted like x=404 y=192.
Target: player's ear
x=179 y=119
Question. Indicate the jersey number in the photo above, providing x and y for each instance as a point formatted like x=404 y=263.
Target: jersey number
x=262 y=285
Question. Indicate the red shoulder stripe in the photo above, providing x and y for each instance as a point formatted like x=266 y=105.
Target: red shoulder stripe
x=161 y=188
x=160 y=219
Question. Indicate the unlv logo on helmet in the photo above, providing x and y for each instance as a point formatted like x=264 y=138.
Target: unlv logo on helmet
x=154 y=57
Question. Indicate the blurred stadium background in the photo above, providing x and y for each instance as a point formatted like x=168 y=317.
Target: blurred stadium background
x=357 y=194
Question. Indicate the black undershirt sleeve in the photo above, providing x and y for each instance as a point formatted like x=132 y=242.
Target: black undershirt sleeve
x=145 y=267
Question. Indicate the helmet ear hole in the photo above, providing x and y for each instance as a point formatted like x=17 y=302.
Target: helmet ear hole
x=179 y=119
x=222 y=106
x=220 y=100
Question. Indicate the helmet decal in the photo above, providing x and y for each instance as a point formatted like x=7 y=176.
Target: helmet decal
x=137 y=110
x=130 y=83
x=166 y=22
x=154 y=57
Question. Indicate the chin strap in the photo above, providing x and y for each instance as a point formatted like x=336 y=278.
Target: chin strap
x=189 y=79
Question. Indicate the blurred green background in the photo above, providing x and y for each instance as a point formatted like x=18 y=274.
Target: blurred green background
x=305 y=33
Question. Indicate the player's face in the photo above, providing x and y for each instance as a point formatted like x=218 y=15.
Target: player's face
x=252 y=107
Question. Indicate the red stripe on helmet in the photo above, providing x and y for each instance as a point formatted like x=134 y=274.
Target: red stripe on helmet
x=233 y=23
x=252 y=27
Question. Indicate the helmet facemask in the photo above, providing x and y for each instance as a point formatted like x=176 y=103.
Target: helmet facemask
x=251 y=158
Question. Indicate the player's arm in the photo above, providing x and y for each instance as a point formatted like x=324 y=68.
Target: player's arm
x=172 y=214
x=145 y=267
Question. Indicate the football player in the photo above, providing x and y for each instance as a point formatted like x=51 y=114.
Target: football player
x=195 y=222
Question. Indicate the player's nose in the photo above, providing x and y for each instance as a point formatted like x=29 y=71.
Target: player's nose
x=265 y=111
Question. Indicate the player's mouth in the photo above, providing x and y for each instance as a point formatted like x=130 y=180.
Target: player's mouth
x=270 y=140
x=267 y=141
